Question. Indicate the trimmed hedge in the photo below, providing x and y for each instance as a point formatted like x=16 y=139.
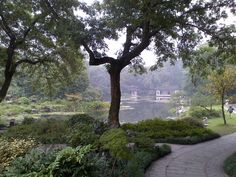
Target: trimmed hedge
x=184 y=131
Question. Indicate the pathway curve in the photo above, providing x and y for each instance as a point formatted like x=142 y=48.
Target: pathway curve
x=201 y=160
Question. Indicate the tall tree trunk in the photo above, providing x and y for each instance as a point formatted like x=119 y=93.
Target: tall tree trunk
x=222 y=108
x=5 y=85
x=113 y=117
x=10 y=69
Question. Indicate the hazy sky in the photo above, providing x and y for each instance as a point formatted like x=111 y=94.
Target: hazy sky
x=148 y=56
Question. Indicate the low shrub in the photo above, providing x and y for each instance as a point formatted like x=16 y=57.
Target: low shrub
x=23 y=100
x=43 y=131
x=28 y=120
x=80 y=118
x=187 y=131
x=98 y=126
x=199 y=113
x=82 y=134
x=116 y=140
x=10 y=149
x=143 y=158
x=30 y=164
x=230 y=165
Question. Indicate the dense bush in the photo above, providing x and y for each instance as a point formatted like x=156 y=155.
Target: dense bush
x=68 y=162
x=116 y=140
x=230 y=165
x=184 y=131
x=30 y=164
x=23 y=100
x=28 y=120
x=82 y=134
x=143 y=158
x=10 y=149
x=199 y=113
x=81 y=118
x=43 y=131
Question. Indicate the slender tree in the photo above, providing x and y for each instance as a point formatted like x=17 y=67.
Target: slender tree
x=221 y=84
x=33 y=32
x=172 y=29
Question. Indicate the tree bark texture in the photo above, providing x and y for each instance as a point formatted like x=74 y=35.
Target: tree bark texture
x=222 y=108
x=5 y=86
x=113 y=117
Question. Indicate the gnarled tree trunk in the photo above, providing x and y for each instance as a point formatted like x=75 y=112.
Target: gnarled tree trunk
x=5 y=85
x=113 y=117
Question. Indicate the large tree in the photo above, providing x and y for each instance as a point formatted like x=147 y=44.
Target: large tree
x=171 y=29
x=33 y=35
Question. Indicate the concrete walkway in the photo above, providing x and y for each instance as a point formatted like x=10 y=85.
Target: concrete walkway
x=201 y=160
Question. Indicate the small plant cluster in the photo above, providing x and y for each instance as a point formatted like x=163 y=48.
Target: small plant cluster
x=186 y=131
x=10 y=149
x=199 y=113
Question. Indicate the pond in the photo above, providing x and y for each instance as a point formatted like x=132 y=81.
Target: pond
x=141 y=108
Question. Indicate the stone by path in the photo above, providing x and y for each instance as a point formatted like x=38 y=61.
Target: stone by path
x=201 y=160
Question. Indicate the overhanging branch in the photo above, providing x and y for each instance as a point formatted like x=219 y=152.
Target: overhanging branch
x=97 y=61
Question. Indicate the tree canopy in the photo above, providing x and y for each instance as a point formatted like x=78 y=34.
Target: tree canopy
x=172 y=29
x=35 y=33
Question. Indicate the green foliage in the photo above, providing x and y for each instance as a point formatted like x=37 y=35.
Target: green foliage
x=30 y=164
x=98 y=126
x=28 y=120
x=83 y=134
x=115 y=140
x=43 y=131
x=10 y=149
x=199 y=113
x=171 y=131
x=24 y=100
x=230 y=165
x=72 y=162
x=143 y=159
x=80 y=118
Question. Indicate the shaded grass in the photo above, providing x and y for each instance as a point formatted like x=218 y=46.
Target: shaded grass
x=217 y=125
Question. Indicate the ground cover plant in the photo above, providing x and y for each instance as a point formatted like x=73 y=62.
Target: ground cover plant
x=230 y=165
x=107 y=149
x=125 y=151
x=186 y=131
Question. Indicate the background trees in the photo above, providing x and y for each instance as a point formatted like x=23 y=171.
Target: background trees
x=173 y=28
x=34 y=33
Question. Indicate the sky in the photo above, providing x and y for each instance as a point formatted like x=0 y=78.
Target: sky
x=148 y=56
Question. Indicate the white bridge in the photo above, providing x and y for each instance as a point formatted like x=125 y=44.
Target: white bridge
x=159 y=94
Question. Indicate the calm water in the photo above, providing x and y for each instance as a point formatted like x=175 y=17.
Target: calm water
x=133 y=110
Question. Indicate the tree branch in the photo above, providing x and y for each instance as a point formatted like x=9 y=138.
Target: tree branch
x=145 y=41
x=97 y=61
x=28 y=61
x=26 y=32
x=128 y=42
x=6 y=28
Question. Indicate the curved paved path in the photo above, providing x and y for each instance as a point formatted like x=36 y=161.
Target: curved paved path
x=201 y=160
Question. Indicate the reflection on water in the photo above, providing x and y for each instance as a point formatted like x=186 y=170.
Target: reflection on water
x=141 y=108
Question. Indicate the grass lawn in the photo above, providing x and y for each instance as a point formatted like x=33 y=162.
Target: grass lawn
x=217 y=125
